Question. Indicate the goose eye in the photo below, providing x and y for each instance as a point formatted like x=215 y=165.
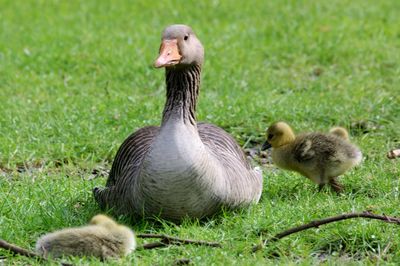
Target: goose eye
x=186 y=37
x=270 y=136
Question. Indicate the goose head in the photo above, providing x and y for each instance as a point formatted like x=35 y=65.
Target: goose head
x=278 y=134
x=179 y=48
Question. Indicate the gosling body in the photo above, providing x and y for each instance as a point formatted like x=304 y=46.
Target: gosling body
x=102 y=238
x=319 y=157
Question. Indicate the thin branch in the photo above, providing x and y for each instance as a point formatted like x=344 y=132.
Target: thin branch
x=151 y=245
x=18 y=250
x=166 y=240
x=24 y=252
x=317 y=223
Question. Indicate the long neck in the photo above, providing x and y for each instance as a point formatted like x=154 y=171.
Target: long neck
x=182 y=91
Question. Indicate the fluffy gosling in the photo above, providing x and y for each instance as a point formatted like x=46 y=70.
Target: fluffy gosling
x=102 y=238
x=319 y=157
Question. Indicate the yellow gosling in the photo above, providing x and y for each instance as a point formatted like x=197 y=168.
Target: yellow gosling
x=319 y=157
x=102 y=238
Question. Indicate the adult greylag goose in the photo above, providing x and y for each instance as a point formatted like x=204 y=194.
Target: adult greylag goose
x=182 y=168
x=317 y=156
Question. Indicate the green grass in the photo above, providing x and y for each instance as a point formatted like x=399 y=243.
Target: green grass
x=76 y=80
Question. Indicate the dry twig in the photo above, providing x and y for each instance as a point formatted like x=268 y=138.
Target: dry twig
x=152 y=245
x=165 y=241
x=170 y=240
x=24 y=252
x=317 y=223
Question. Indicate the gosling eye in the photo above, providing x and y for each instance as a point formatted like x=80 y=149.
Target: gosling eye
x=186 y=37
x=270 y=136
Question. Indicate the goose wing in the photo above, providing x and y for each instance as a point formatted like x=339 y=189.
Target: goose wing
x=222 y=145
x=316 y=146
x=131 y=152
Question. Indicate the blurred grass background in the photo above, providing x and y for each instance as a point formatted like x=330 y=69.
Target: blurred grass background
x=76 y=78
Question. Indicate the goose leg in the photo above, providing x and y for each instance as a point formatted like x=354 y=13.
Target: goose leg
x=321 y=180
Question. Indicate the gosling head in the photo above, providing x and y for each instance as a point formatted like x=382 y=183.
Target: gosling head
x=278 y=134
x=179 y=48
x=102 y=220
x=340 y=132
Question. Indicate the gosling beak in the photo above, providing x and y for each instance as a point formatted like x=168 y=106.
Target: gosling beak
x=266 y=146
x=169 y=54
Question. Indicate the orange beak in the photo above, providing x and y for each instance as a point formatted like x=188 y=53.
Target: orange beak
x=169 y=54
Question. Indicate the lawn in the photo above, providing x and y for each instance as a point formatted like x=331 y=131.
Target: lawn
x=76 y=78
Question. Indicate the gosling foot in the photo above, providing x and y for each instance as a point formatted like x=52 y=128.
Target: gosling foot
x=336 y=186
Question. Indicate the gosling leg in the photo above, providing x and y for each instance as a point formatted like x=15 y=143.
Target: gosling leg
x=335 y=185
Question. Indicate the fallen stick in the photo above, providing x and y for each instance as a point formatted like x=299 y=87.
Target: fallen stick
x=24 y=252
x=18 y=250
x=151 y=245
x=317 y=223
x=167 y=240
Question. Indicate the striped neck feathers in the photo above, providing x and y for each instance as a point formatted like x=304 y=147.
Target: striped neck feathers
x=182 y=91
